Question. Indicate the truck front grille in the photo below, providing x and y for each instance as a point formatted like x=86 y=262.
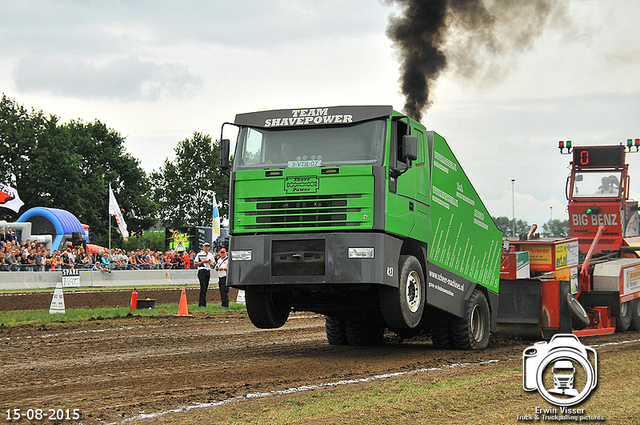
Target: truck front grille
x=289 y=212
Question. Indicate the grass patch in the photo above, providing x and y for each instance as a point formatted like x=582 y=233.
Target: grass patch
x=37 y=317
x=480 y=395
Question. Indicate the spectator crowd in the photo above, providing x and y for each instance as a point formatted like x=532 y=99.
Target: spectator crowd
x=29 y=255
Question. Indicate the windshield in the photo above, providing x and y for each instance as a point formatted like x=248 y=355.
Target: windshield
x=605 y=184
x=360 y=144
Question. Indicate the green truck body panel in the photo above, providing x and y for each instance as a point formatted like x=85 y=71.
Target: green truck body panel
x=464 y=239
x=347 y=186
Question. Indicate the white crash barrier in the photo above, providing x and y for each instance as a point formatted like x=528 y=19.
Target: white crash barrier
x=96 y=278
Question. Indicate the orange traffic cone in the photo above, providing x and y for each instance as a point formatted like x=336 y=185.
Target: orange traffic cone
x=183 y=309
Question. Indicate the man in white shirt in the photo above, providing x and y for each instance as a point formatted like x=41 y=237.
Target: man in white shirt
x=221 y=267
x=203 y=261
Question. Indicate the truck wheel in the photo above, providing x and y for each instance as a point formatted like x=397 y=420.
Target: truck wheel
x=336 y=331
x=635 y=317
x=266 y=310
x=472 y=331
x=408 y=333
x=363 y=329
x=626 y=314
x=579 y=317
x=402 y=307
x=440 y=329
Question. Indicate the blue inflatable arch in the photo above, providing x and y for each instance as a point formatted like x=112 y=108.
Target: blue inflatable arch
x=60 y=224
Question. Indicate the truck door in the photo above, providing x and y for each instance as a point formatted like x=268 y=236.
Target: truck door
x=409 y=193
x=421 y=171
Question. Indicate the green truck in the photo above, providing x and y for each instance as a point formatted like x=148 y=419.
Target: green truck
x=360 y=214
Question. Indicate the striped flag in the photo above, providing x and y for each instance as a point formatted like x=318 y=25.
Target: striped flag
x=216 y=219
x=9 y=198
x=114 y=209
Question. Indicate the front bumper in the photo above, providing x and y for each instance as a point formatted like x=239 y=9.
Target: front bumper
x=313 y=259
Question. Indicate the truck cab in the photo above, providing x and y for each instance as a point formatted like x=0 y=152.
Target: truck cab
x=598 y=194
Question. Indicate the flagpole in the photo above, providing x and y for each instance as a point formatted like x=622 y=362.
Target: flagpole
x=213 y=218
x=109 y=214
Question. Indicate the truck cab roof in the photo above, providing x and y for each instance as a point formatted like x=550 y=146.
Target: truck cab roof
x=312 y=116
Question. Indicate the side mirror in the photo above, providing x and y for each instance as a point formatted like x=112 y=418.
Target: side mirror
x=223 y=160
x=409 y=147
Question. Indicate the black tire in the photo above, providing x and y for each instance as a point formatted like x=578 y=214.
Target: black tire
x=423 y=327
x=266 y=310
x=336 y=330
x=363 y=330
x=407 y=333
x=473 y=330
x=626 y=314
x=635 y=317
x=440 y=329
x=402 y=307
x=579 y=316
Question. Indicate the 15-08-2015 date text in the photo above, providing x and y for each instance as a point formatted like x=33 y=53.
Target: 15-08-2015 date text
x=42 y=414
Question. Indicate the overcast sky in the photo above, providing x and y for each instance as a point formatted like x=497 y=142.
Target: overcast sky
x=157 y=71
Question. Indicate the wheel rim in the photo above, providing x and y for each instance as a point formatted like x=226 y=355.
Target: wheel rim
x=625 y=311
x=477 y=323
x=413 y=291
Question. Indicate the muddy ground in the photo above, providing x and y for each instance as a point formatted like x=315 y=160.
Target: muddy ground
x=113 y=370
x=104 y=298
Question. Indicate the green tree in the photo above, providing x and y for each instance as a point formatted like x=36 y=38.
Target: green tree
x=184 y=188
x=70 y=166
x=153 y=240
x=556 y=228
x=20 y=131
x=505 y=225
x=100 y=159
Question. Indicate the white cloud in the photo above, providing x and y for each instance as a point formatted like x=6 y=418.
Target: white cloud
x=496 y=141
x=90 y=28
x=156 y=71
x=527 y=208
x=126 y=79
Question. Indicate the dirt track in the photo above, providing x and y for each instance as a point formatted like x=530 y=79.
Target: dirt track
x=103 y=298
x=116 y=369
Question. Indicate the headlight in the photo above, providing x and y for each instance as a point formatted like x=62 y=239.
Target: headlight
x=241 y=255
x=361 y=252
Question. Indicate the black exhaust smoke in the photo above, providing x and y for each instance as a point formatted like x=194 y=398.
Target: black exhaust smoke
x=474 y=35
x=418 y=36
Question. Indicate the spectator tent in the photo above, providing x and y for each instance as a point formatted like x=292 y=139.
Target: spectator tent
x=60 y=224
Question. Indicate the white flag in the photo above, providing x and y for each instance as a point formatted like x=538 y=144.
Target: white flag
x=216 y=220
x=114 y=210
x=9 y=198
